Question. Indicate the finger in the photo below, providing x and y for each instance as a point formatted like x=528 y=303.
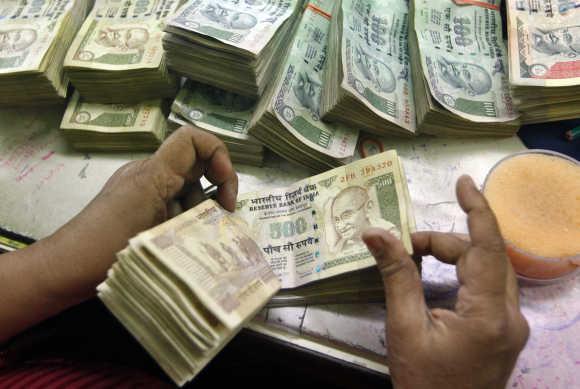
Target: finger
x=404 y=297
x=190 y=153
x=483 y=228
x=484 y=267
x=446 y=247
x=220 y=172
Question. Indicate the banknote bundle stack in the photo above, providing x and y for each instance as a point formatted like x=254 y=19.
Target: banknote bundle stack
x=117 y=56
x=544 y=53
x=311 y=231
x=460 y=69
x=287 y=118
x=114 y=127
x=367 y=82
x=225 y=114
x=34 y=37
x=232 y=45
x=184 y=288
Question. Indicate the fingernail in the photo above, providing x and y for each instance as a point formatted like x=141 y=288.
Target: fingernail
x=469 y=181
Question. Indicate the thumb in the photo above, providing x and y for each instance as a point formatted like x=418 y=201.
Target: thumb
x=406 y=308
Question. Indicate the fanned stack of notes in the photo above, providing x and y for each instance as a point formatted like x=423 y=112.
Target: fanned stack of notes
x=287 y=117
x=34 y=38
x=544 y=49
x=114 y=127
x=311 y=230
x=367 y=82
x=187 y=286
x=460 y=69
x=224 y=114
x=233 y=45
x=117 y=56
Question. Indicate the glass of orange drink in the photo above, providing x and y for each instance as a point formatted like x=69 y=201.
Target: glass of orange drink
x=535 y=196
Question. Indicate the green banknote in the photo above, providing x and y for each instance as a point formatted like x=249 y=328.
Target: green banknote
x=246 y=24
x=113 y=118
x=375 y=57
x=216 y=110
x=312 y=230
x=121 y=36
x=464 y=60
x=296 y=102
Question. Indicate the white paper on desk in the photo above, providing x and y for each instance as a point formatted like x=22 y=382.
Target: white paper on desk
x=43 y=183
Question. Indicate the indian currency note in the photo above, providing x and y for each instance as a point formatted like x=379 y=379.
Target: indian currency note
x=312 y=230
x=298 y=95
x=121 y=36
x=27 y=31
x=211 y=251
x=113 y=118
x=544 y=42
x=464 y=59
x=215 y=110
x=375 y=57
x=246 y=24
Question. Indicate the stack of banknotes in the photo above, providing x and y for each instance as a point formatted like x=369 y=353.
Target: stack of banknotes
x=114 y=127
x=184 y=288
x=287 y=118
x=367 y=82
x=34 y=37
x=460 y=68
x=224 y=114
x=117 y=56
x=544 y=49
x=233 y=45
x=311 y=231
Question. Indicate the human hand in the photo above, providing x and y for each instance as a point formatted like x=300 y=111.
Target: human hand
x=477 y=344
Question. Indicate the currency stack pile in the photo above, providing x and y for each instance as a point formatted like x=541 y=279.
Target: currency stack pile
x=224 y=114
x=544 y=53
x=117 y=56
x=114 y=127
x=186 y=287
x=311 y=231
x=287 y=118
x=34 y=38
x=234 y=46
x=459 y=67
x=367 y=82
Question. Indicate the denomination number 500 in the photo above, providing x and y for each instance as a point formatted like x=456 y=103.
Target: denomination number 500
x=288 y=228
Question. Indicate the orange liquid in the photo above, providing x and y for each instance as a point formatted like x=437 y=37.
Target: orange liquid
x=536 y=199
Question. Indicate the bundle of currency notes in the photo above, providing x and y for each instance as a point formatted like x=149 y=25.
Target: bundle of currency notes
x=225 y=114
x=114 y=127
x=460 y=69
x=544 y=53
x=287 y=118
x=117 y=56
x=311 y=230
x=233 y=45
x=367 y=82
x=186 y=287
x=34 y=38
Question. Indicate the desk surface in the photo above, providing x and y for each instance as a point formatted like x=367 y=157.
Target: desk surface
x=43 y=184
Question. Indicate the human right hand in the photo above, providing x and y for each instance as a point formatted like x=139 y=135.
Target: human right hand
x=477 y=344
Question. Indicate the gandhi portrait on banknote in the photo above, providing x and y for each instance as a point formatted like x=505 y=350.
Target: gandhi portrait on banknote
x=123 y=38
x=471 y=78
x=16 y=40
x=563 y=41
x=307 y=90
x=352 y=211
x=229 y=18
x=375 y=71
